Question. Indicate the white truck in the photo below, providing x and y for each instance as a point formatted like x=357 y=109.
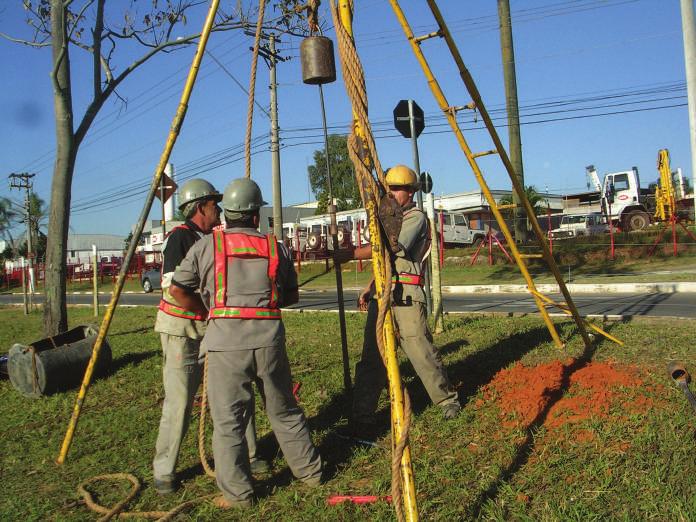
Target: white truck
x=623 y=201
x=579 y=225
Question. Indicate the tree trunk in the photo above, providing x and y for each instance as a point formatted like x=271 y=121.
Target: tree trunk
x=55 y=310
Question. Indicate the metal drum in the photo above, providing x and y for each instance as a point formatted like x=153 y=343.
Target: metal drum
x=56 y=363
x=318 y=66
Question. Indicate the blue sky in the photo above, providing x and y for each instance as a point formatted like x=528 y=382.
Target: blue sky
x=575 y=59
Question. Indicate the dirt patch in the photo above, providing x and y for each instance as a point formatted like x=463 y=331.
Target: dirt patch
x=559 y=393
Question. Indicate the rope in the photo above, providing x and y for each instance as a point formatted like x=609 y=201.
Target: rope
x=201 y=423
x=252 y=88
x=358 y=147
x=117 y=509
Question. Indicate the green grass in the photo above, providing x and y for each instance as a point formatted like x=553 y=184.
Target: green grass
x=638 y=465
x=131 y=285
x=579 y=262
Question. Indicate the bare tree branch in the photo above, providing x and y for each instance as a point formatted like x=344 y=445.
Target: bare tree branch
x=25 y=42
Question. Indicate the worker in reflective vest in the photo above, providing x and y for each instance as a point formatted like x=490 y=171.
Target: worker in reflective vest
x=409 y=312
x=245 y=278
x=181 y=331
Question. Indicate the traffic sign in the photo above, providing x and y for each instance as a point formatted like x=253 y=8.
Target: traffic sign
x=426 y=182
x=403 y=112
x=167 y=187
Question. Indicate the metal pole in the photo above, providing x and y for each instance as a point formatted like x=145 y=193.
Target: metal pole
x=24 y=288
x=689 y=34
x=275 y=146
x=515 y=141
x=30 y=252
x=419 y=198
x=159 y=170
x=95 y=288
x=164 y=217
x=333 y=231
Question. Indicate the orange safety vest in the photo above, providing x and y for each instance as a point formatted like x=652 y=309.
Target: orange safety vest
x=176 y=310
x=243 y=246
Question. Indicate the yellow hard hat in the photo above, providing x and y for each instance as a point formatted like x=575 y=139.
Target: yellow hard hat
x=402 y=176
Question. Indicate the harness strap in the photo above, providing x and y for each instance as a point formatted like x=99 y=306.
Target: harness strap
x=178 y=311
x=408 y=279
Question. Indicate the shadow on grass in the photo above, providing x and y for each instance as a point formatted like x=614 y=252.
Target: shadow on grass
x=526 y=448
x=309 y=280
x=129 y=359
x=128 y=332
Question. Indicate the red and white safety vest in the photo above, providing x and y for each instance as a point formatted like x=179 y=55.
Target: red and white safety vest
x=171 y=308
x=236 y=245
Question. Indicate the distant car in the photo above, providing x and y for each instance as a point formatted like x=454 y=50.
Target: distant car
x=151 y=279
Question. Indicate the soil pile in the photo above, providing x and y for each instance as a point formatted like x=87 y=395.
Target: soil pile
x=558 y=392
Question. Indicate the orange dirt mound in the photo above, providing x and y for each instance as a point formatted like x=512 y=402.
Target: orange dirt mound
x=558 y=392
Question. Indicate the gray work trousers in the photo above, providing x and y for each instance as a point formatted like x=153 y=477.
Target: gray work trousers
x=181 y=375
x=230 y=375
x=416 y=341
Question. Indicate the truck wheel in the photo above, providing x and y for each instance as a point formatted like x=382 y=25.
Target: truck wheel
x=147 y=286
x=477 y=241
x=637 y=220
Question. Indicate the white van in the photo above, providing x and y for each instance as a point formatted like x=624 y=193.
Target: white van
x=580 y=225
x=457 y=231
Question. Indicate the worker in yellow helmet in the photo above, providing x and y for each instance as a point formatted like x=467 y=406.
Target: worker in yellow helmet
x=409 y=312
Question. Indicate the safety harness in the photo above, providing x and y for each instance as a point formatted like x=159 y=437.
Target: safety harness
x=170 y=308
x=243 y=246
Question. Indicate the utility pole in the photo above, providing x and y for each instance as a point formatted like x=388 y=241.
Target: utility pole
x=268 y=52
x=24 y=181
x=689 y=33
x=275 y=145
x=515 y=141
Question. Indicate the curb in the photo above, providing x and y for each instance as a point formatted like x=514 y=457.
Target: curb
x=599 y=288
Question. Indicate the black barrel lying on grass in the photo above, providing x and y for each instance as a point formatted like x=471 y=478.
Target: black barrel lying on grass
x=56 y=363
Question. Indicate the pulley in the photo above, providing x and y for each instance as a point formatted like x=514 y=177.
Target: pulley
x=318 y=66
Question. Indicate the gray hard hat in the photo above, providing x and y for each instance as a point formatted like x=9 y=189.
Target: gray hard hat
x=242 y=195
x=195 y=189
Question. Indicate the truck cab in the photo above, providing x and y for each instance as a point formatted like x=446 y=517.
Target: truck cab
x=622 y=198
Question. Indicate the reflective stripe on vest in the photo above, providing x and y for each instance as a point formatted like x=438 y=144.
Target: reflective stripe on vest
x=243 y=246
x=177 y=311
x=408 y=279
x=169 y=308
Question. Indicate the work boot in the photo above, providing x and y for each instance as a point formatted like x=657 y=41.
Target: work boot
x=222 y=503
x=259 y=467
x=314 y=481
x=165 y=486
x=451 y=411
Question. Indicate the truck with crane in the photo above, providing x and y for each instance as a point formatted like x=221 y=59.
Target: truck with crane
x=630 y=207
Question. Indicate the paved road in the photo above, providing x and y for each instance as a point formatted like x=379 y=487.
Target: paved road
x=655 y=304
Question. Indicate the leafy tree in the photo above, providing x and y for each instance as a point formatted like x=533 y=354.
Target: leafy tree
x=110 y=35
x=37 y=220
x=345 y=188
x=8 y=218
x=537 y=200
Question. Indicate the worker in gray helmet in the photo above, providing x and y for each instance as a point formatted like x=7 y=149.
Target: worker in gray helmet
x=181 y=331
x=408 y=306
x=241 y=278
